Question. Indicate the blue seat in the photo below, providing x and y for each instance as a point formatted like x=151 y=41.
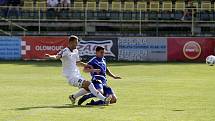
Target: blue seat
x=137 y=15
x=13 y=13
x=103 y=15
x=64 y=14
x=25 y=14
x=213 y=15
x=153 y=15
x=206 y=15
x=51 y=13
x=127 y=15
x=166 y=15
x=77 y=15
x=3 y=12
x=178 y=15
x=115 y=15
x=91 y=15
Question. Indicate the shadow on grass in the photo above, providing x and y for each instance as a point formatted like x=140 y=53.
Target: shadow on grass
x=178 y=110
x=59 y=107
x=125 y=63
x=41 y=63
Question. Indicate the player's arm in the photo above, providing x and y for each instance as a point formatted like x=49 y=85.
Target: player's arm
x=82 y=64
x=109 y=73
x=87 y=68
x=54 y=57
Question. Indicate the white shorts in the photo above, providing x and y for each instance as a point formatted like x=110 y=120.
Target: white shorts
x=75 y=81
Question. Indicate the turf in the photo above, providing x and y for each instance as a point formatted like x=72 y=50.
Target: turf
x=36 y=91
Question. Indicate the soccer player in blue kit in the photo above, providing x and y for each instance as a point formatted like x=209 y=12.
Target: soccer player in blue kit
x=99 y=79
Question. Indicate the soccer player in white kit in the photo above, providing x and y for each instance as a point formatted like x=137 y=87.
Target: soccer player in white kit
x=70 y=59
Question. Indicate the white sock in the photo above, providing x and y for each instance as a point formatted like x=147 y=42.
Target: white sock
x=96 y=92
x=81 y=92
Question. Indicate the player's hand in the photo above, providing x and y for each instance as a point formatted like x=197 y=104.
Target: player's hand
x=97 y=71
x=47 y=56
x=117 y=77
x=88 y=68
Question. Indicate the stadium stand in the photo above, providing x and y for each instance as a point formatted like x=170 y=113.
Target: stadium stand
x=166 y=13
x=112 y=16
x=206 y=13
x=115 y=10
x=103 y=11
x=128 y=11
x=141 y=10
x=154 y=10
x=91 y=9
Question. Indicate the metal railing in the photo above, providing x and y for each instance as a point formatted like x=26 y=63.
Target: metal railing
x=6 y=33
x=11 y=24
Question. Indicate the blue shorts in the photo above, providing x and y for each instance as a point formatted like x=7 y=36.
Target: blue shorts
x=107 y=90
x=100 y=79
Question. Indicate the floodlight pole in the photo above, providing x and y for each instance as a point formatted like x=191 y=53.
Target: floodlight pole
x=85 y=20
x=192 y=29
x=121 y=24
x=157 y=23
x=39 y=28
x=140 y=25
x=11 y=29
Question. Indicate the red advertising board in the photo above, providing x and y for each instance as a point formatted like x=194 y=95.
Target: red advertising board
x=37 y=47
x=190 y=49
x=34 y=48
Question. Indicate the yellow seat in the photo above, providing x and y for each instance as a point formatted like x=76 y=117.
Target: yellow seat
x=142 y=6
x=78 y=6
x=129 y=6
x=91 y=6
x=180 y=6
x=154 y=6
x=206 y=5
x=28 y=5
x=41 y=6
x=167 y=6
x=196 y=5
x=214 y=7
x=116 y=6
x=103 y=6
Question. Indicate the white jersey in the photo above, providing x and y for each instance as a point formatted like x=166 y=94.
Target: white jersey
x=69 y=60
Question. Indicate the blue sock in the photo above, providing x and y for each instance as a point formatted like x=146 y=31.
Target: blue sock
x=99 y=102
x=90 y=96
x=84 y=98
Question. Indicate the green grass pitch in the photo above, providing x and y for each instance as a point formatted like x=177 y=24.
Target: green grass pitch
x=36 y=91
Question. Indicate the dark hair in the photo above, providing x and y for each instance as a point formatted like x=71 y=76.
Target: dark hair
x=72 y=38
x=98 y=48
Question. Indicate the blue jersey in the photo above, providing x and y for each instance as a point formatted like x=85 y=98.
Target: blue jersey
x=99 y=63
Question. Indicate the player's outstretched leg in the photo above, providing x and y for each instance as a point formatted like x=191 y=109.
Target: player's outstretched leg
x=89 y=86
x=100 y=102
x=84 y=98
x=81 y=92
x=107 y=91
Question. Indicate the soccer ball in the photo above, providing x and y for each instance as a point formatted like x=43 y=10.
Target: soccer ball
x=210 y=60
